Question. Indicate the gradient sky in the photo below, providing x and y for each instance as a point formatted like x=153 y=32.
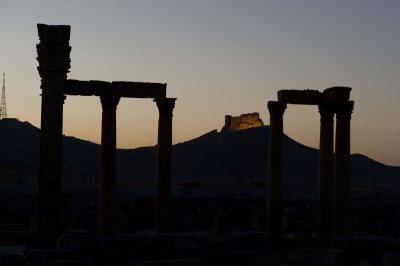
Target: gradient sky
x=218 y=57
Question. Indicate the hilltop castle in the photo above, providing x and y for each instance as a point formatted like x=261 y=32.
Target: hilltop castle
x=244 y=121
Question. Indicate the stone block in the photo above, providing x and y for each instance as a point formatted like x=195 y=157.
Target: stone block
x=53 y=34
x=77 y=241
x=88 y=261
x=41 y=257
x=308 y=97
x=337 y=94
x=139 y=89
x=116 y=88
x=318 y=257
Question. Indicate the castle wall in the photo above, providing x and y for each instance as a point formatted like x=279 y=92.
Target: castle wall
x=244 y=121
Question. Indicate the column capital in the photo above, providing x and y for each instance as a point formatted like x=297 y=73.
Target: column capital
x=327 y=112
x=53 y=50
x=165 y=106
x=344 y=110
x=109 y=102
x=276 y=108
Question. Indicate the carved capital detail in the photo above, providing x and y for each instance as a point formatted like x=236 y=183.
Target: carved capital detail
x=276 y=109
x=327 y=112
x=53 y=50
x=344 y=110
x=109 y=103
x=165 y=106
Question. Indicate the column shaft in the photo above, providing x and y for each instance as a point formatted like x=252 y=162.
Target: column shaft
x=274 y=179
x=53 y=57
x=342 y=166
x=325 y=177
x=108 y=165
x=163 y=189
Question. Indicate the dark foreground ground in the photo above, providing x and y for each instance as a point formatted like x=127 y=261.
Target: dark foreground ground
x=224 y=230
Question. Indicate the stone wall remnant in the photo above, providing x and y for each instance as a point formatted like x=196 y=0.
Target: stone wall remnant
x=244 y=121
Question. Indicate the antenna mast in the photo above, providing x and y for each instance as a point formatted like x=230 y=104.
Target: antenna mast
x=3 y=107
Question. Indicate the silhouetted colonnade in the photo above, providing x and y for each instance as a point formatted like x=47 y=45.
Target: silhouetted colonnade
x=54 y=63
x=334 y=168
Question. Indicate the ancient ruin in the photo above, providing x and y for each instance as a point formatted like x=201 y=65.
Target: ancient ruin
x=334 y=168
x=244 y=121
x=54 y=63
x=218 y=202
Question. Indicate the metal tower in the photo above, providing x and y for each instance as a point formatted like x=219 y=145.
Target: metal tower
x=3 y=107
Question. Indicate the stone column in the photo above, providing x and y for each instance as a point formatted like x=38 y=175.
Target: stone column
x=165 y=108
x=54 y=62
x=108 y=164
x=325 y=177
x=274 y=179
x=342 y=166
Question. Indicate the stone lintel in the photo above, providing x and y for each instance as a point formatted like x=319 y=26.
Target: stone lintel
x=139 y=89
x=309 y=97
x=116 y=88
x=87 y=88
x=337 y=94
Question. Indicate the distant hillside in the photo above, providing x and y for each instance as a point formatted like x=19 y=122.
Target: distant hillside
x=227 y=157
x=20 y=141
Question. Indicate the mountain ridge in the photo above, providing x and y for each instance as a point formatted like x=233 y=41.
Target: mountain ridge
x=219 y=157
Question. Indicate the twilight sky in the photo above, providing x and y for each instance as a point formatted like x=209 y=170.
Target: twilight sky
x=218 y=57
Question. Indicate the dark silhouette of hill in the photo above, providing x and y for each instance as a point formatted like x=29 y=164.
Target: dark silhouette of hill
x=20 y=141
x=216 y=157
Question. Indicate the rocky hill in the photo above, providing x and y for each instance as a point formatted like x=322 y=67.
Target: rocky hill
x=225 y=158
